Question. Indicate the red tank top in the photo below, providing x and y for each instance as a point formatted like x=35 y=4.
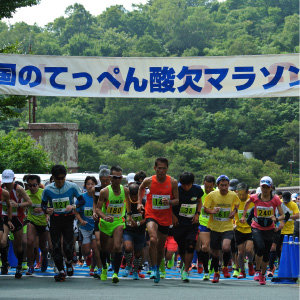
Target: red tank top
x=19 y=212
x=154 y=208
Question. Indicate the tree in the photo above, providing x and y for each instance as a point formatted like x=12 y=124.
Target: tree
x=9 y=7
x=23 y=154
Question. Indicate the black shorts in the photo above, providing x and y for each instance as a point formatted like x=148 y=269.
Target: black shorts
x=96 y=226
x=216 y=238
x=161 y=229
x=241 y=238
x=184 y=233
x=17 y=222
x=39 y=229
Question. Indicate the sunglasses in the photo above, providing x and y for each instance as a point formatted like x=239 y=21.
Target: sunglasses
x=116 y=177
x=267 y=182
x=32 y=185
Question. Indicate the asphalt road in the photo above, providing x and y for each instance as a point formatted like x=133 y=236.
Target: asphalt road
x=83 y=288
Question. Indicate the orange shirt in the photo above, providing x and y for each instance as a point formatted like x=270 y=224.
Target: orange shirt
x=154 y=208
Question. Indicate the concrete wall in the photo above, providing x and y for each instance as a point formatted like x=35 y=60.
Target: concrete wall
x=59 y=139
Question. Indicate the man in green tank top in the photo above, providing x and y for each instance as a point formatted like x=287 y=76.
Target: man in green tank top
x=113 y=203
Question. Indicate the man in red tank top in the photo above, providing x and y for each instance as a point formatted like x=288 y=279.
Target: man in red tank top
x=163 y=194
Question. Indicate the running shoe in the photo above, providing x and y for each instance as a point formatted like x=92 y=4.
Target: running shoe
x=38 y=265
x=60 y=277
x=251 y=271
x=200 y=268
x=24 y=266
x=92 y=272
x=262 y=279
x=216 y=277
x=18 y=273
x=89 y=260
x=135 y=275
x=70 y=270
x=242 y=275
x=140 y=274
x=170 y=263
x=157 y=276
x=104 y=273
x=153 y=273
x=257 y=276
x=44 y=264
x=115 y=278
x=163 y=274
x=185 y=277
x=226 y=272
x=123 y=263
x=30 y=271
x=126 y=271
x=235 y=273
x=182 y=269
x=97 y=274
x=206 y=276
x=230 y=268
x=270 y=272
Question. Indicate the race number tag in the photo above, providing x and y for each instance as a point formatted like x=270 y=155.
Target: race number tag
x=187 y=210
x=264 y=212
x=222 y=215
x=60 y=204
x=34 y=213
x=137 y=217
x=88 y=212
x=157 y=202
x=4 y=208
x=115 y=210
x=204 y=214
x=240 y=212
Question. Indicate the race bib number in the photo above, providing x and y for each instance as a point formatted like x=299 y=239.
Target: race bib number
x=240 y=213
x=187 y=210
x=88 y=212
x=204 y=214
x=222 y=215
x=4 y=208
x=60 y=204
x=264 y=212
x=157 y=202
x=137 y=217
x=115 y=210
x=34 y=213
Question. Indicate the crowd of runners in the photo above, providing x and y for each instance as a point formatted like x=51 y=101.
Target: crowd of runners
x=151 y=223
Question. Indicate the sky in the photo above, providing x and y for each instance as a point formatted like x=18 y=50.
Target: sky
x=48 y=10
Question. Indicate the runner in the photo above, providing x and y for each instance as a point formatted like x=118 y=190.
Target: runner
x=243 y=235
x=60 y=197
x=134 y=235
x=115 y=199
x=104 y=182
x=222 y=206
x=186 y=219
x=19 y=200
x=162 y=196
x=203 y=241
x=36 y=224
x=84 y=214
x=262 y=225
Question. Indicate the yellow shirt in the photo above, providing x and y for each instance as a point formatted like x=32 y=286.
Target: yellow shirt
x=293 y=209
x=243 y=228
x=220 y=222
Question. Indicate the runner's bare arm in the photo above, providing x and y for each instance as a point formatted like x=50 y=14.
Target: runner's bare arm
x=26 y=199
x=146 y=183
x=175 y=200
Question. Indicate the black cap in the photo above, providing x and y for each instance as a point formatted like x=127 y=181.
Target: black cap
x=286 y=196
x=233 y=184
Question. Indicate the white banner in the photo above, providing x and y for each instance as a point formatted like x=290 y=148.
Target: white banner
x=155 y=77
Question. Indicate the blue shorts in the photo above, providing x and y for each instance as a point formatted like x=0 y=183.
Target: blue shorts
x=137 y=238
x=203 y=229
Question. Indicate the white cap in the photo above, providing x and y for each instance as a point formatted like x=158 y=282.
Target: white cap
x=8 y=176
x=266 y=180
x=294 y=196
x=130 y=178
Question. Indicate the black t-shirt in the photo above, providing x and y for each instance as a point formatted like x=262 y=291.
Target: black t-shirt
x=136 y=216
x=187 y=206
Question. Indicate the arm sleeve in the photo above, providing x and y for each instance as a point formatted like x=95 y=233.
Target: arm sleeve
x=80 y=202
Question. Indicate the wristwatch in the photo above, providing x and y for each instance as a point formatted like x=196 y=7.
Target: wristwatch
x=197 y=212
x=138 y=223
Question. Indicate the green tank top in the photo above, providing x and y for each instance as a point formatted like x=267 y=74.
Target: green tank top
x=115 y=206
x=37 y=218
x=204 y=217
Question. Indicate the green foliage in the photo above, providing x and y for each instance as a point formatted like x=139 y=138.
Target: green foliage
x=22 y=154
x=9 y=7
